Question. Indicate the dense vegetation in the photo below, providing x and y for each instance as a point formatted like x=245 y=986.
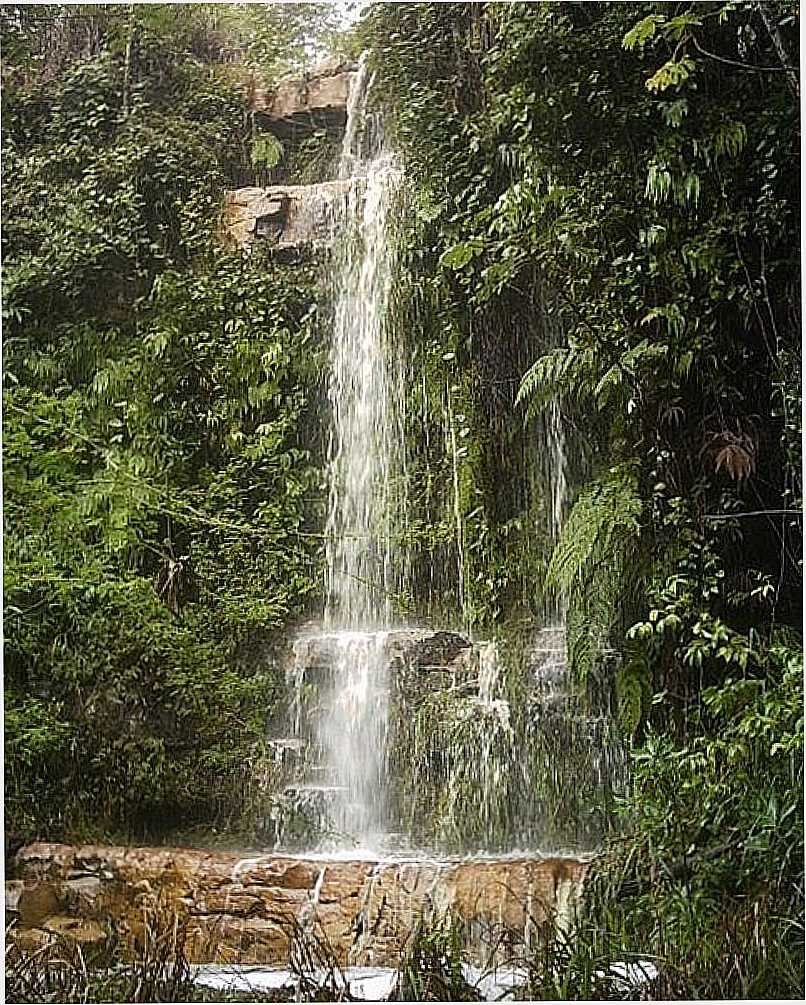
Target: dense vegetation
x=603 y=226
x=158 y=461
x=621 y=182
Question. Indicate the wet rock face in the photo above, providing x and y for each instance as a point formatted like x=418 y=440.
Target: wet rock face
x=252 y=910
x=315 y=99
x=288 y=218
x=486 y=751
x=414 y=655
x=303 y=813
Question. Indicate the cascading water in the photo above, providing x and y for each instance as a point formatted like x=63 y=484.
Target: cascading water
x=557 y=465
x=363 y=392
x=365 y=455
x=413 y=737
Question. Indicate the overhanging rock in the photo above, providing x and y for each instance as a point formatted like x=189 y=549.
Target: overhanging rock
x=302 y=103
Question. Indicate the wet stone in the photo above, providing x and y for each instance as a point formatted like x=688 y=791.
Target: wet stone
x=366 y=909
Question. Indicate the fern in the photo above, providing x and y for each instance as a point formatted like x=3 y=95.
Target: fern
x=567 y=370
x=595 y=562
x=604 y=514
x=267 y=151
x=633 y=689
x=542 y=380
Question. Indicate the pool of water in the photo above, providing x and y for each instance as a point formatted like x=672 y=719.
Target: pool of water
x=361 y=983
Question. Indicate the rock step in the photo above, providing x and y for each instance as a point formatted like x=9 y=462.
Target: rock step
x=248 y=909
x=284 y=217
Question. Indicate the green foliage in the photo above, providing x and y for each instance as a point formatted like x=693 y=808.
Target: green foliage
x=432 y=968
x=633 y=689
x=605 y=515
x=596 y=563
x=270 y=38
x=707 y=886
x=267 y=151
x=277 y=38
x=313 y=159
x=158 y=463
x=608 y=185
x=671 y=74
x=641 y=33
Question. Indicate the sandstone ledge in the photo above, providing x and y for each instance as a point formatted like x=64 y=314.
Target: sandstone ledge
x=250 y=910
x=285 y=217
x=317 y=98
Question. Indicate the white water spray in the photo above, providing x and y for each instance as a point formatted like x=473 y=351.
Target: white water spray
x=365 y=458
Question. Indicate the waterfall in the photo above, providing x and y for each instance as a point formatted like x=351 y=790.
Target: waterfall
x=403 y=736
x=558 y=479
x=365 y=459
x=489 y=672
x=365 y=453
x=457 y=508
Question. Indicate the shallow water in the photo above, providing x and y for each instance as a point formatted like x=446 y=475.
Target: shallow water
x=361 y=983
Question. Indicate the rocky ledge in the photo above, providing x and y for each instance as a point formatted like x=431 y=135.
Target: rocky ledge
x=255 y=909
x=284 y=217
x=301 y=103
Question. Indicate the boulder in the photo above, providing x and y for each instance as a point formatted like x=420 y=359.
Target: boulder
x=39 y=900
x=501 y=904
x=85 y=931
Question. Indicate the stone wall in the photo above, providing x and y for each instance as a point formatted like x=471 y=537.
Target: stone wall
x=250 y=910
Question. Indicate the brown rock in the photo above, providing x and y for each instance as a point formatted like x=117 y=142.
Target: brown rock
x=84 y=931
x=225 y=939
x=286 y=217
x=251 y=909
x=29 y=940
x=38 y=900
x=285 y=873
x=315 y=99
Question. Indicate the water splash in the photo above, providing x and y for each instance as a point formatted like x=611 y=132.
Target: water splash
x=507 y=758
x=489 y=672
x=354 y=732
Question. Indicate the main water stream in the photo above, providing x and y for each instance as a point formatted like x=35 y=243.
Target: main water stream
x=364 y=453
